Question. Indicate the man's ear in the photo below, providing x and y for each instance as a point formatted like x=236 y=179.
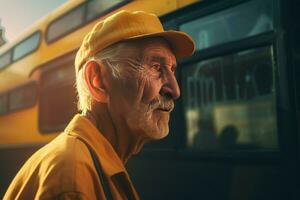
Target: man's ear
x=94 y=76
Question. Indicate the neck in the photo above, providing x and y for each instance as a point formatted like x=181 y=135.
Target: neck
x=115 y=130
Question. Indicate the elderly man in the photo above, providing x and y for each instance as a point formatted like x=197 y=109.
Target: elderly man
x=125 y=77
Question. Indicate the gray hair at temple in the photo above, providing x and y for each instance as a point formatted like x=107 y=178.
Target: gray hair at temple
x=110 y=53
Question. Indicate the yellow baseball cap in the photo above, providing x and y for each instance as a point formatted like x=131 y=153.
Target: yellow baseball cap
x=125 y=25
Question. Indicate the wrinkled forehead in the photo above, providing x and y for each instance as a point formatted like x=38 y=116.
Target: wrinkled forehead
x=150 y=49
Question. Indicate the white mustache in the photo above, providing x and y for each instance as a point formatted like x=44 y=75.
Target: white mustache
x=162 y=104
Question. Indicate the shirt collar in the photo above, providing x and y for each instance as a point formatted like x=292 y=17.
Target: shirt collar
x=83 y=128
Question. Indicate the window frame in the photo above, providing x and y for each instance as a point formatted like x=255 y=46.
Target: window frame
x=45 y=68
x=48 y=40
x=8 y=93
x=210 y=8
x=29 y=52
x=84 y=20
x=271 y=38
x=11 y=50
x=104 y=12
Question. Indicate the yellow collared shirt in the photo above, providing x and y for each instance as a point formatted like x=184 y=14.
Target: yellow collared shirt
x=64 y=169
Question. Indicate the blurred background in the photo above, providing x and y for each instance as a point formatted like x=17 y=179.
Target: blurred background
x=234 y=133
x=16 y=15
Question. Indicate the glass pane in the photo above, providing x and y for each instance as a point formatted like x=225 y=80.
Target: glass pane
x=229 y=102
x=58 y=97
x=22 y=97
x=3 y=104
x=26 y=46
x=65 y=24
x=97 y=7
x=5 y=59
x=232 y=24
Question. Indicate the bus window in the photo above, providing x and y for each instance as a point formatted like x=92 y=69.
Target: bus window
x=58 y=96
x=3 y=104
x=65 y=24
x=26 y=46
x=239 y=22
x=5 y=59
x=96 y=7
x=242 y=114
x=22 y=97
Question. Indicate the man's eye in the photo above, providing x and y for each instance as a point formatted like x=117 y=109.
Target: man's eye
x=156 y=66
x=173 y=69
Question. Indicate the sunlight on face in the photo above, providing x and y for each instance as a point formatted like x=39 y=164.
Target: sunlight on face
x=145 y=94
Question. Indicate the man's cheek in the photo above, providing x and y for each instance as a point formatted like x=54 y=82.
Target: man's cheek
x=128 y=86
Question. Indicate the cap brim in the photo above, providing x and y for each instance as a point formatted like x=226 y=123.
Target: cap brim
x=181 y=43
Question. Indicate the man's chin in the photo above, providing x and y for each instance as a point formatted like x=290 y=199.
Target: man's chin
x=154 y=129
x=160 y=133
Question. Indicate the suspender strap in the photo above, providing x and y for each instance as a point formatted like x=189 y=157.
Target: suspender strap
x=101 y=175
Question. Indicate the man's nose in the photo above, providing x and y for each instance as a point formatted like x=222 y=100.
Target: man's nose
x=170 y=86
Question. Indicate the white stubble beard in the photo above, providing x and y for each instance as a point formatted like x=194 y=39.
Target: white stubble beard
x=142 y=122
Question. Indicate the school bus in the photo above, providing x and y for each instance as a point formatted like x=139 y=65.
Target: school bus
x=37 y=68
x=234 y=133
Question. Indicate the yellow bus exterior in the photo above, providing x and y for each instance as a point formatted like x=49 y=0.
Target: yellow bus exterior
x=21 y=126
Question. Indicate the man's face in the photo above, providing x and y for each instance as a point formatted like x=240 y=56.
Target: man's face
x=143 y=97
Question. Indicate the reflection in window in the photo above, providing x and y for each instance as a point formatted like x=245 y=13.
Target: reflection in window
x=22 y=97
x=229 y=102
x=97 y=7
x=26 y=46
x=5 y=59
x=65 y=24
x=232 y=24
